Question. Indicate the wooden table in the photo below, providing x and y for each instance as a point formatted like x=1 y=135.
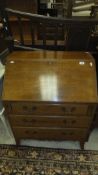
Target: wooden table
x=50 y=95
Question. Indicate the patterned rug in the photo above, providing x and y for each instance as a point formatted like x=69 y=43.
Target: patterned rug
x=45 y=161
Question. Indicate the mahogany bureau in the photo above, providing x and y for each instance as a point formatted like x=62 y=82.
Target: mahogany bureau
x=50 y=95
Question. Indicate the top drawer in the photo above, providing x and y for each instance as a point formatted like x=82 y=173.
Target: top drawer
x=47 y=109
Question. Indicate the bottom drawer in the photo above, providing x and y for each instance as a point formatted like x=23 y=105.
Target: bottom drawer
x=50 y=134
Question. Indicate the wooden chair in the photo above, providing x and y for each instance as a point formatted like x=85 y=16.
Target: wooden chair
x=3 y=47
x=94 y=11
x=94 y=15
x=61 y=10
x=30 y=31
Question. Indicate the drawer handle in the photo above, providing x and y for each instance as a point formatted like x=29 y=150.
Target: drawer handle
x=71 y=133
x=34 y=132
x=25 y=108
x=72 y=109
x=64 y=133
x=65 y=121
x=26 y=132
x=29 y=121
x=73 y=121
x=34 y=108
x=63 y=109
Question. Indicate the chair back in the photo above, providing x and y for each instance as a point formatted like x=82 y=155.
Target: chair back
x=26 y=30
x=94 y=11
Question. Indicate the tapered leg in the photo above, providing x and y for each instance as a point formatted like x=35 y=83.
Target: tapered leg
x=82 y=144
x=17 y=141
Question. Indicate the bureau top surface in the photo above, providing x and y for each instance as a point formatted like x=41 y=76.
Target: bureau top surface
x=44 y=76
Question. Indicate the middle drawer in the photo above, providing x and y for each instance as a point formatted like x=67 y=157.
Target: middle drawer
x=49 y=121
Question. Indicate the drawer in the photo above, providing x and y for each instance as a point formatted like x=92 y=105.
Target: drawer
x=49 y=121
x=48 y=109
x=50 y=134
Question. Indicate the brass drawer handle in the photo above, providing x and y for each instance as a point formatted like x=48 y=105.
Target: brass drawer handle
x=72 y=109
x=71 y=133
x=68 y=133
x=63 y=109
x=29 y=121
x=65 y=121
x=25 y=108
x=73 y=121
x=27 y=132
x=64 y=133
x=34 y=108
x=34 y=132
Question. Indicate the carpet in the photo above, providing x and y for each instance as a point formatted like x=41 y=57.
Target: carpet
x=24 y=160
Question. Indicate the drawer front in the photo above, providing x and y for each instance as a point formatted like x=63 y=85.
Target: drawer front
x=48 y=109
x=49 y=121
x=49 y=134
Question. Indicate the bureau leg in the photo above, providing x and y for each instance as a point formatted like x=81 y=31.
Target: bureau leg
x=17 y=141
x=82 y=144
